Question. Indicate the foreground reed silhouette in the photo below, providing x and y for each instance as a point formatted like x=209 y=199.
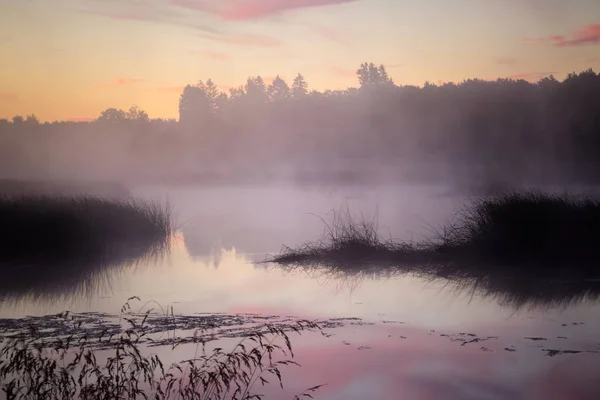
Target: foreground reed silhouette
x=60 y=242
x=71 y=367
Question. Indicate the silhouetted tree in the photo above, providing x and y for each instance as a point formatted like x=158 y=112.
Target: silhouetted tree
x=369 y=74
x=299 y=87
x=548 y=82
x=113 y=114
x=278 y=90
x=216 y=98
x=256 y=90
x=194 y=105
x=236 y=93
x=384 y=77
x=477 y=130
x=137 y=114
x=32 y=120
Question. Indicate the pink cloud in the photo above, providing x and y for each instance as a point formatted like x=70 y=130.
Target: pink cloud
x=215 y=55
x=592 y=59
x=530 y=76
x=258 y=9
x=139 y=11
x=8 y=97
x=231 y=10
x=589 y=34
x=119 y=82
x=245 y=40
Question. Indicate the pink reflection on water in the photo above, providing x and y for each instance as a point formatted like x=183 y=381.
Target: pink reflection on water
x=574 y=377
x=375 y=363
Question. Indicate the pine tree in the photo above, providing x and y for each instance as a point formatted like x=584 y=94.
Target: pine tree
x=278 y=90
x=299 y=87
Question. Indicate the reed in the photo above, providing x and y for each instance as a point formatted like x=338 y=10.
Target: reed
x=70 y=367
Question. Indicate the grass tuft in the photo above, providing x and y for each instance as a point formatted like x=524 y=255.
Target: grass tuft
x=45 y=239
x=514 y=233
x=522 y=249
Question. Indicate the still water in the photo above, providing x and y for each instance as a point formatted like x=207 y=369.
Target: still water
x=416 y=336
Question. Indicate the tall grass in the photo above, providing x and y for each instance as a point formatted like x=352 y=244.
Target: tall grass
x=530 y=233
x=69 y=367
x=536 y=230
x=348 y=243
x=529 y=249
x=62 y=240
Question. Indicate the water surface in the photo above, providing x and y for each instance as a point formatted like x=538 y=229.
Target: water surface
x=418 y=337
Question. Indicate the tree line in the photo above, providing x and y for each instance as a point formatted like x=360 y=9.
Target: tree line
x=504 y=129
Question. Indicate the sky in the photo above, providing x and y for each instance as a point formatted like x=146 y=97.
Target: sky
x=71 y=59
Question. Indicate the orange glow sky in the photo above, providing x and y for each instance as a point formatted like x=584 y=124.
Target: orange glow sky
x=70 y=59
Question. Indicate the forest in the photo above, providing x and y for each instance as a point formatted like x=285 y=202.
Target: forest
x=509 y=132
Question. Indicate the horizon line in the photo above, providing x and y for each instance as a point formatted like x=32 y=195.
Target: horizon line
x=531 y=78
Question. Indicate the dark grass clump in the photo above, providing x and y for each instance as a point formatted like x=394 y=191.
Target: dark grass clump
x=350 y=244
x=122 y=367
x=529 y=249
x=47 y=239
x=514 y=234
x=531 y=232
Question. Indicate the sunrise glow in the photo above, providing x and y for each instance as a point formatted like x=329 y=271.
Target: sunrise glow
x=71 y=59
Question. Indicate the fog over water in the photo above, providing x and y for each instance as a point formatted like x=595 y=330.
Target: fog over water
x=264 y=165
x=475 y=135
x=210 y=269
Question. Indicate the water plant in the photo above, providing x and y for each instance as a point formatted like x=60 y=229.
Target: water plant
x=121 y=366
